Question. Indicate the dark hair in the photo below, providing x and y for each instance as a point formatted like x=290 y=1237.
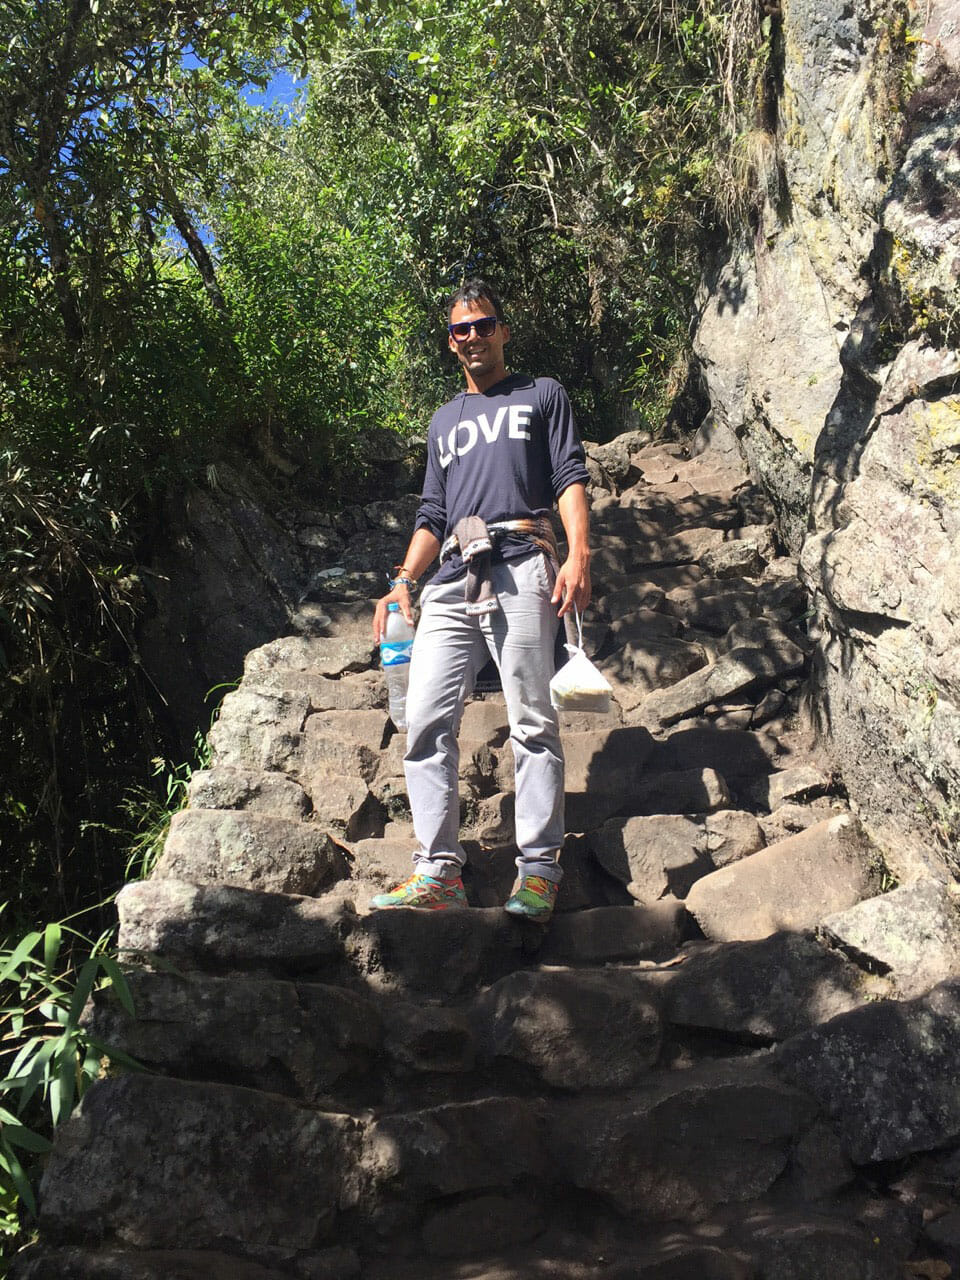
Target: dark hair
x=472 y=291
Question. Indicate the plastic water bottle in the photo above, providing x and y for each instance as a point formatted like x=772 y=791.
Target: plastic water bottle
x=395 y=647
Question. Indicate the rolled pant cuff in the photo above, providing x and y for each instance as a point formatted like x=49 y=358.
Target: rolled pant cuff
x=545 y=866
x=445 y=870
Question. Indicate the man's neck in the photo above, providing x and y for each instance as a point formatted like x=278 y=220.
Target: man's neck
x=485 y=381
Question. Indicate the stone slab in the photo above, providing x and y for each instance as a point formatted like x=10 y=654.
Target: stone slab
x=653 y=856
x=578 y=1029
x=743 y=667
x=886 y=1074
x=251 y=851
x=762 y=991
x=686 y=1143
x=223 y=788
x=912 y=933
x=296 y=1040
x=794 y=884
x=218 y=927
x=202 y=1185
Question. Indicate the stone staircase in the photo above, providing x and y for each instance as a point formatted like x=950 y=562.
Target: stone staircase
x=731 y=1055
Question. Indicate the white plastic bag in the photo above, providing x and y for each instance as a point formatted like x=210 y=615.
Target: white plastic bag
x=578 y=685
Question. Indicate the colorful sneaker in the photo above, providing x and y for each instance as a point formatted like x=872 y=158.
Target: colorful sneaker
x=533 y=897
x=427 y=892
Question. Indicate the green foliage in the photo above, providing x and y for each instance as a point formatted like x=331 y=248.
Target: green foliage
x=49 y=1057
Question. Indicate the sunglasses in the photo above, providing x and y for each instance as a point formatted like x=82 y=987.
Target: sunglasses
x=485 y=327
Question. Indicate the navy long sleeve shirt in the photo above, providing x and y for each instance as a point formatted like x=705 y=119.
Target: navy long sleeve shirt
x=500 y=454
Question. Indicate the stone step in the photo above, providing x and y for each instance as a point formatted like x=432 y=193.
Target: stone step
x=219 y=929
x=167 y=1164
x=567 y=1028
x=41 y=1263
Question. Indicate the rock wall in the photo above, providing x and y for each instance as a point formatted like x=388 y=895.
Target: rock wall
x=827 y=342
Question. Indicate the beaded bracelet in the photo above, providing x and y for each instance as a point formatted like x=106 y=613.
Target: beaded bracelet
x=409 y=583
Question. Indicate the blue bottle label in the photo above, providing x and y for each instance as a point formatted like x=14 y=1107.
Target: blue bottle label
x=394 y=655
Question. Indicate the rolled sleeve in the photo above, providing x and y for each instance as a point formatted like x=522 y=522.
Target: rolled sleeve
x=567 y=458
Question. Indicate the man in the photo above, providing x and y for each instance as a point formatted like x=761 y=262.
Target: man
x=498 y=456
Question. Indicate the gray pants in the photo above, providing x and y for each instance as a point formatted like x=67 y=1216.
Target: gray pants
x=449 y=649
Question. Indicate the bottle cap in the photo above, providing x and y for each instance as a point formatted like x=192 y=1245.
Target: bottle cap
x=393 y=607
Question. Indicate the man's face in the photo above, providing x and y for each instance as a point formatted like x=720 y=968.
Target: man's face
x=481 y=358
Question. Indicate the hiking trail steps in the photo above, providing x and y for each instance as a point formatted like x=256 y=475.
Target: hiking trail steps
x=729 y=1057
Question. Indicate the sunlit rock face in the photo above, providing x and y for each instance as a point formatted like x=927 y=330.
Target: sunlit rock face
x=828 y=344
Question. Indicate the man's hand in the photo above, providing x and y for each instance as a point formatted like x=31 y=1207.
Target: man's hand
x=573 y=585
x=401 y=595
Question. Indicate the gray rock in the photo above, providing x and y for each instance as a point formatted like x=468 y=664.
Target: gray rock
x=762 y=991
x=248 y=718
x=240 y=789
x=606 y=762
x=347 y=646
x=575 y=1030
x=202 y=1185
x=801 y=782
x=429 y=1038
x=275 y=1036
x=417 y=1156
x=690 y=791
x=643 y=666
x=809 y=1246
x=219 y=927
x=885 y=1074
x=608 y=934
x=711 y=612
x=343 y=806
x=739 y=668
x=146 y=1264
x=653 y=856
x=481 y=1224
x=794 y=884
x=250 y=851
x=638 y=595
x=439 y=953
x=731 y=835
x=363 y=691
x=736 y=559
x=912 y=933
x=684 y=1144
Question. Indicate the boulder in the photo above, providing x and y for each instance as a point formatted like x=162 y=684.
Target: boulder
x=689 y=791
x=202 y=1185
x=219 y=927
x=269 y=1035
x=343 y=806
x=223 y=788
x=144 y=1264
x=644 y=665
x=762 y=991
x=248 y=718
x=912 y=933
x=794 y=884
x=731 y=835
x=815 y=1246
x=608 y=934
x=743 y=667
x=251 y=851
x=682 y=1145
x=413 y=1157
x=885 y=1074
x=347 y=646
x=362 y=691
x=801 y=782
x=574 y=1030
x=741 y=558
x=653 y=856
x=481 y=1223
